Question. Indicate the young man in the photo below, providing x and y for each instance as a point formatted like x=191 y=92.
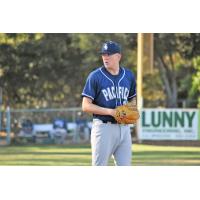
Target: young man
x=106 y=88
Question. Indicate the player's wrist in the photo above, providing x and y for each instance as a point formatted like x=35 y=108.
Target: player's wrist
x=111 y=112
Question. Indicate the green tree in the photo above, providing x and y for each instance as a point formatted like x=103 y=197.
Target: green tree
x=49 y=70
x=173 y=54
x=195 y=90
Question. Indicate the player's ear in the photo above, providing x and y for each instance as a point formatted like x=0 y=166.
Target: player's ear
x=119 y=56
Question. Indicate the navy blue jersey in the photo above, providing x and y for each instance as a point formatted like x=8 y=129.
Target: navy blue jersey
x=109 y=91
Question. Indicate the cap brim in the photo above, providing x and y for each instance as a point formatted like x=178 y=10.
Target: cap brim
x=109 y=53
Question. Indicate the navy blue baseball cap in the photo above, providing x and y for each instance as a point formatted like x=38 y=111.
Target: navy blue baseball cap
x=110 y=48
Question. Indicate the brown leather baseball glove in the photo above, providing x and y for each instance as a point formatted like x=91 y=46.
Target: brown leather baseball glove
x=127 y=114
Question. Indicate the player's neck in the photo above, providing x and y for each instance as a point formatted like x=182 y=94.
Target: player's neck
x=113 y=70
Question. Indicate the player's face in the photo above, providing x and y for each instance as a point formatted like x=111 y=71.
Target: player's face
x=111 y=61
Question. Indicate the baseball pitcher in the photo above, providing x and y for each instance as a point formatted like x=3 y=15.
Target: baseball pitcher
x=110 y=95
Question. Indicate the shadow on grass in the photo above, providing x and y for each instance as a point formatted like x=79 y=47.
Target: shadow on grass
x=50 y=146
x=46 y=149
x=166 y=158
x=141 y=154
x=165 y=153
x=45 y=153
x=80 y=155
x=72 y=161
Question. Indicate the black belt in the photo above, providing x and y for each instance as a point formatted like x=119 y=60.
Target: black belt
x=109 y=122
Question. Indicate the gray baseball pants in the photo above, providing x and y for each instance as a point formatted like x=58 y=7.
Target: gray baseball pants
x=110 y=140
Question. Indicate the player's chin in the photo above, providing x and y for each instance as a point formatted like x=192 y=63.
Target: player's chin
x=106 y=64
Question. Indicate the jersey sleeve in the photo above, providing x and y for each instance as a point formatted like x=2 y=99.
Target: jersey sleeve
x=132 y=92
x=90 y=89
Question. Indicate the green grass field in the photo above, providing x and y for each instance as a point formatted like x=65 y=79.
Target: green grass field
x=80 y=155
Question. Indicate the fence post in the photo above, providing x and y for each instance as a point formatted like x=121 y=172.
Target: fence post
x=8 y=125
x=0 y=108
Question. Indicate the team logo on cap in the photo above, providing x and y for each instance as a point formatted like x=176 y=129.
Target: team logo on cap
x=105 y=46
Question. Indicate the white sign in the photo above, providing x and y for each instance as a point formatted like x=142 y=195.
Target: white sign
x=169 y=124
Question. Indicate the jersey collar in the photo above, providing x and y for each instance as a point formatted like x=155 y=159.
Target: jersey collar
x=119 y=75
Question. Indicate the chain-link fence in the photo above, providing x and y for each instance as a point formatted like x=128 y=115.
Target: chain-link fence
x=78 y=124
x=47 y=115
x=37 y=126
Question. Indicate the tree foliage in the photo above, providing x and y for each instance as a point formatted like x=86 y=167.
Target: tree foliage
x=173 y=54
x=49 y=70
x=195 y=90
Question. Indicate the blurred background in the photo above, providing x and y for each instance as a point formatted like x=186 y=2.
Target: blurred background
x=42 y=76
x=49 y=70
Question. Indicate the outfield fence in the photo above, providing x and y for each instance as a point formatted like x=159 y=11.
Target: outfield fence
x=43 y=121
x=155 y=124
